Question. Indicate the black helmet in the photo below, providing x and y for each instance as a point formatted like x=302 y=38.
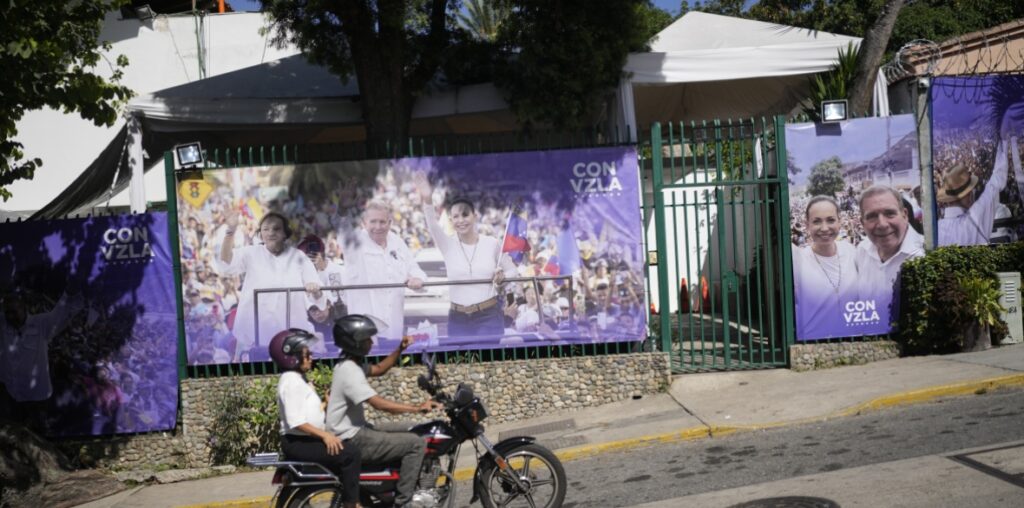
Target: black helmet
x=351 y=332
x=286 y=347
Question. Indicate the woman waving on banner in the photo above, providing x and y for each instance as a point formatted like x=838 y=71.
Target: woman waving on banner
x=824 y=273
x=468 y=255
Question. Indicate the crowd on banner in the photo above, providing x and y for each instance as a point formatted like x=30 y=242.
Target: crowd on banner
x=606 y=297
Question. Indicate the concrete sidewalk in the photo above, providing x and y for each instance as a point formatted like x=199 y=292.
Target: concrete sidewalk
x=697 y=406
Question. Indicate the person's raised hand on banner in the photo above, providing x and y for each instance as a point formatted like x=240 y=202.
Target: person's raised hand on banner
x=1013 y=121
x=422 y=185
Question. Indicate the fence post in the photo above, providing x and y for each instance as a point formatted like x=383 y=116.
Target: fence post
x=782 y=173
x=658 y=166
x=172 y=240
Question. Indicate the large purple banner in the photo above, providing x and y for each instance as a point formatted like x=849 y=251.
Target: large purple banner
x=88 y=325
x=435 y=248
x=977 y=129
x=855 y=209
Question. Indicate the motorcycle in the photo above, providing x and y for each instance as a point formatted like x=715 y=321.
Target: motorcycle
x=513 y=472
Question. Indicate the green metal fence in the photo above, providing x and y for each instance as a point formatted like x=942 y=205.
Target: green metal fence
x=221 y=158
x=720 y=282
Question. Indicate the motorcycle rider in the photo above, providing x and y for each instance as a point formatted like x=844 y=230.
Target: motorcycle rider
x=303 y=437
x=354 y=334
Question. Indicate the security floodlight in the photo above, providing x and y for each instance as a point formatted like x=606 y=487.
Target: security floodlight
x=144 y=12
x=833 y=111
x=189 y=154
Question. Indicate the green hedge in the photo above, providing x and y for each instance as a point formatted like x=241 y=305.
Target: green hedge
x=925 y=326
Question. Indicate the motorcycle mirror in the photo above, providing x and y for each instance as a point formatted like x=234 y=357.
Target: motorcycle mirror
x=428 y=360
x=423 y=383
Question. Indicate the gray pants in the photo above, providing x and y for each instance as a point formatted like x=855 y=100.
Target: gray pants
x=378 y=447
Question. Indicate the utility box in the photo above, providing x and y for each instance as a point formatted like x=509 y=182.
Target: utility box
x=1010 y=299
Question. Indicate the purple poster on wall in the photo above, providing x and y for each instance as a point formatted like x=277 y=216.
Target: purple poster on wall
x=855 y=210
x=88 y=325
x=977 y=135
x=470 y=252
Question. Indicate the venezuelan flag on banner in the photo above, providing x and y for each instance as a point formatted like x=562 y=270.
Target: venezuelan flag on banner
x=516 y=243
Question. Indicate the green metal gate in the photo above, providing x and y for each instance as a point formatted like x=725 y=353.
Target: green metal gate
x=718 y=196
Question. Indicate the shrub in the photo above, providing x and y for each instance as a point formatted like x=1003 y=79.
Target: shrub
x=247 y=420
x=930 y=293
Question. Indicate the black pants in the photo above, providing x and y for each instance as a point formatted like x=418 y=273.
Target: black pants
x=345 y=464
x=487 y=322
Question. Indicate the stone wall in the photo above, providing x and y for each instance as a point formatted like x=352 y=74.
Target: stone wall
x=512 y=391
x=804 y=357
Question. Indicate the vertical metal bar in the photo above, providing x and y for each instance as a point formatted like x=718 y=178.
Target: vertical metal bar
x=659 y=228
x=720 y=240
x=771 y=272
x=784 y=225
x=173 y=243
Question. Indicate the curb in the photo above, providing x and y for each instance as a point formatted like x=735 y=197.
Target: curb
x=692 y=434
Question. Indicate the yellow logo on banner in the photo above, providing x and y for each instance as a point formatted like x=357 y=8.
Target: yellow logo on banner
x=195 y=192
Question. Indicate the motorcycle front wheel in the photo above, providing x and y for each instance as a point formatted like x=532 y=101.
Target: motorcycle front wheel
x=309 y=497
x=538 y=470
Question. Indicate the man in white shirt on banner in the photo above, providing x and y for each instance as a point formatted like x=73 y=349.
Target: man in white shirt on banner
x=969 y=216
x=377 y=255
x=891 y=241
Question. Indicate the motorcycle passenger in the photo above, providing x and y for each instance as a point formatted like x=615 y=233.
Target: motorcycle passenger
x=353 y=334
x=303 y=437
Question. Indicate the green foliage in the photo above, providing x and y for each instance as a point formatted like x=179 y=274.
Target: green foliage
x=48 y=50
x=483 y=18
x=247 y=419
x=980 y=299
x=936 y=20
x=826 y=178
x=834 y=84
x=568 y=56
x=932 y=298
x=652 y=21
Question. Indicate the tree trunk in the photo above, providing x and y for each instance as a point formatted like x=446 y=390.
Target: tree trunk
x=872 y=48
x=34 y=473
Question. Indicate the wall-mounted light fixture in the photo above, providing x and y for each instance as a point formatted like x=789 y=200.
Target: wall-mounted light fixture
x=189 y=155
x=144 y=12
x=833 y=111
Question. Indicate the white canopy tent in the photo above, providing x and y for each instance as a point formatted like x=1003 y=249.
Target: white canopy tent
x=705 y=66
x=285 y=101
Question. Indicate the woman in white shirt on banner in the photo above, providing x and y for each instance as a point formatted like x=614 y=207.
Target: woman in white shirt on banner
x=274 y=264
x=824 y=273
x=468 y=255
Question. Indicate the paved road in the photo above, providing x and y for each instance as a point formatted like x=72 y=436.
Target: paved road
x=846 y=444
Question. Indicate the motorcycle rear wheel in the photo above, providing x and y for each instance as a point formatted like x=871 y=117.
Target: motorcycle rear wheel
x=537 y=467
x=309 y=497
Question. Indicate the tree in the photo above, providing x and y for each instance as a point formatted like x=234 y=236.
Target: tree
x=553 y=58
x=826 y=178
x=483 y=18
x=48 y=49
x=833 y=84
x=869 y=56
x=568 y=54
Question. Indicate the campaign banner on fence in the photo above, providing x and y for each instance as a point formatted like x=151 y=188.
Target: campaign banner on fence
x=424 y=245
x=89 y=325
x=977 y=134
x=855 y=192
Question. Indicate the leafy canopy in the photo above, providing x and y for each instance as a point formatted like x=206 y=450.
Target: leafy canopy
x=48 y=51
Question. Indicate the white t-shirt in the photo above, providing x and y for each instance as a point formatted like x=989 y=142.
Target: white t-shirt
x=263 y=270
x=349 y=390
x=297 y=404
x=819 y=305
x=332 y=275
x=466 y=262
